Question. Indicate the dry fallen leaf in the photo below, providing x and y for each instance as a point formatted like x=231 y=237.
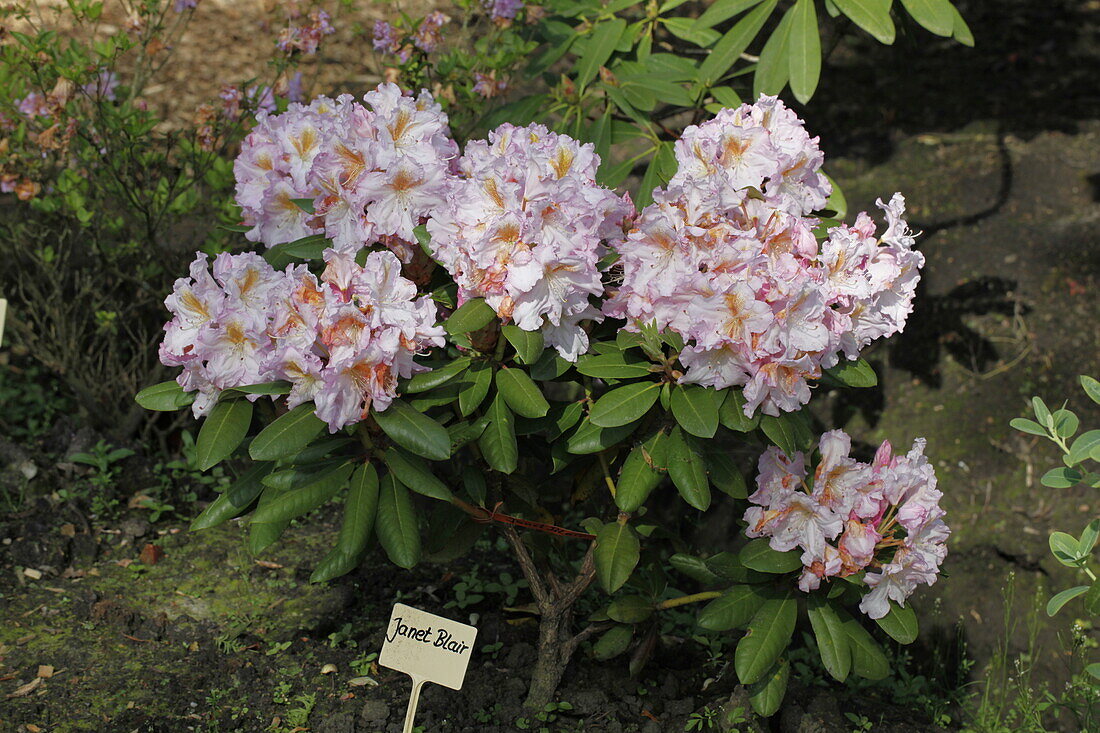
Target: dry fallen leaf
x=269 y=565
x=32 y=573
x=328 y=668
x=32 y=728
x=45 y=671
x=68 y=530
x=27 y=688
x=150 y=554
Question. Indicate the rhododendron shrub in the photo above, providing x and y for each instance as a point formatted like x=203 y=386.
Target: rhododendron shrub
x=457 y=340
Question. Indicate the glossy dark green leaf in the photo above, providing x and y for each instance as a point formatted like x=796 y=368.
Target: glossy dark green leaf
x=872 y=16
x=642 y=471
x=616 y=555
x=805 y=51
x=790 y=431
x=480 y=378
x=832 y=639
x=856 y=373
x=287 y=434
x=473 y=315
x=630 y=609
x=396 y=524
x=601 y=44
x=416 y=475
x=687 y=469
x=360 y=509
x=766 y=695
x=589 y=438
x=498 y=442
x=773 y=68
x=935 y=15
x=222 y=431
x=298 y=501
x=734 y=43
x=278 y=387
x=521 y=393
x=262 y=535
x=414 y=431
x=868 y=659
x=613 y=642
x=528 y=344
x=722 y=10
x=615 y=365
x=437 y=377
x=724 y=474
x=624 y=405
x=694 y=567
x=732 y=413
x=696 y=409
x=768 y=634
x=733 y=609
x=235 y=500
x=758 y=555
x=900 y=623
x=164 y=397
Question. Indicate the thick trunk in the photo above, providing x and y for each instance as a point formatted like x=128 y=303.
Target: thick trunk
x=551 y=661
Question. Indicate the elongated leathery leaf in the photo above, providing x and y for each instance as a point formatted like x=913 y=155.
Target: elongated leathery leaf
x=359 y=513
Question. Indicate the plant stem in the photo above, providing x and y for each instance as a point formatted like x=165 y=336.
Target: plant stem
x=685 y=600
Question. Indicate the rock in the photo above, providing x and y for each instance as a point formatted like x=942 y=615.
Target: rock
x=134 y=527
x=374 y=711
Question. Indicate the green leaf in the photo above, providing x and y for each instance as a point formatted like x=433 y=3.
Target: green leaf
x=521 y=393
x=164 y=397
x=733 y=609
x=480 y=378
x=773 y=69
x=642 y=471
x=805 y=57
x=1027 y=426
x=935 y=15
x=616 y=555
x=732 y=413
x=630 y=609
x=1089 y=536
x=287 y=435
x=694 y=567
x=498 y=442
x=473 y=315
x=1065 y=423
x=900 y=623
x=624 y=404
x=262 y=535
x=528 y=344
x=612 y=642
x=722 y=10
x=278 y=387
x=856 y=373
x=299 y=501
x=1061 y=478
x=729 y=566
x=359 y=512
x=615 y=365
x=960 y=30
x=414 y=431
x=766 y=695
x=758 y=555
x=1042 y=413
x=413 y=473
x=396 y=524
x=1091 y=387
x=868 y=661
x=688 y=470
x=236 y=499
x=1087 y=445
x=696 y=409
x=1065 y=548
x=730 y=47
x=1054 y=605
x=724 y=474
x=686 y=29
x=1092 y=598
x=789 y=431
x=437 y=377
x=832 y=640
x=872 y=16
x=311 y=247
x=768 y=634
x=305 y=204
x=601 y=44
x=222 y=431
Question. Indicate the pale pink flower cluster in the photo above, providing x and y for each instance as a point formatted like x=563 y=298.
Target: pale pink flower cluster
x=524 y=228
x=306 y=38
x=372 y=173
x=726 y=257
x=341 y=341
x=883 y=518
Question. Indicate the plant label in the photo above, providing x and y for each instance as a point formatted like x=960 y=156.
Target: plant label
x=3 y=313
x=428 y=648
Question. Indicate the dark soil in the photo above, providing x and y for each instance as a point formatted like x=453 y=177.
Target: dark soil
x=998 y=152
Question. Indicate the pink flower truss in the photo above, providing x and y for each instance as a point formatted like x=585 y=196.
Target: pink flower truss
x=372 y=172
x=883 y=518
x=726 y=256
x=341 y=341
x=524 y=228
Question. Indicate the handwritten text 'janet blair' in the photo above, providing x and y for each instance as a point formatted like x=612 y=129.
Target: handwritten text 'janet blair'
x=442 y=639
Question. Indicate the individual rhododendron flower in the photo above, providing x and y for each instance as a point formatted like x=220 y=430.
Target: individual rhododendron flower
x=373 y=173
x=882 y=519
x=726 y=257
x=524 y=228
x=341 y=340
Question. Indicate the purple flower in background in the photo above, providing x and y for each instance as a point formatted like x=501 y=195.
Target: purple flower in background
x=180 y=5
x=34 y=105
x=385 y=37
x=295 y=91
x=263 y=96
x=104 y=86
x=503 y=9
x=427 y=35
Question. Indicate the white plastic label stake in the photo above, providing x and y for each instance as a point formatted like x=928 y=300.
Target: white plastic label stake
x=428 y=648
x=3 y=313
